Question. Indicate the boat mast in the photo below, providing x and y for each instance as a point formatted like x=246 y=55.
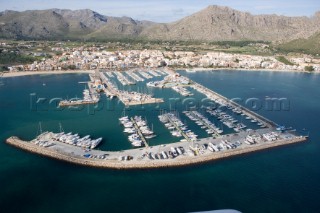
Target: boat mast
x=40 y=128
x=60 y=127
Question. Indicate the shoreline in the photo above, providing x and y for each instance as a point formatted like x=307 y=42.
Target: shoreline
x=190 y=70
x=121 y=165
x=199 y=69
x=26 y=73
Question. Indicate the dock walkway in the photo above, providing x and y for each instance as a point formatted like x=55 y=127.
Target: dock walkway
x=216 y=134
x=179 y=129
x=213 y=95
x=139 y=132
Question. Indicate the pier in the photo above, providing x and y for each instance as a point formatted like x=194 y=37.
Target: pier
x=219 y=98
x=90 y=97
x=143 y=139
x=216 y=134
x=179 y=129
x=109 y=89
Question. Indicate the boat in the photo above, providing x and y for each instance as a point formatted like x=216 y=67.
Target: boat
x=150 y=136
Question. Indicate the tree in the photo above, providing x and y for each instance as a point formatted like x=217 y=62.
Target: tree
x=309 y=68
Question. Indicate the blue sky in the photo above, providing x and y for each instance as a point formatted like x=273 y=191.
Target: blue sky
x=167 y=10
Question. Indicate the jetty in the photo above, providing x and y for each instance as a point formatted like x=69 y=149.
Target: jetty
x=177 y=127
x=205 y=123
x=143 y=139
x=90 y=97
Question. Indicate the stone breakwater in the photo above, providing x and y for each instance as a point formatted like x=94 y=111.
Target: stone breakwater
x=149 y=164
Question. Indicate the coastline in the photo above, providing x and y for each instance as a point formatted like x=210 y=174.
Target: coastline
x=120 y=165
x=199 y=69
x=25 y=73
x=191 y=70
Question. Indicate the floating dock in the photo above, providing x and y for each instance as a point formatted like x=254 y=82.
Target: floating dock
x=216 y=134
x=143 y=139
x=179 y=129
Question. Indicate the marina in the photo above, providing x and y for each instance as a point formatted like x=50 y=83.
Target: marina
x=126 y=97
x=288 y=172
x=187 y=148
x=204 y=123
x=138 y=129
x=172 y=122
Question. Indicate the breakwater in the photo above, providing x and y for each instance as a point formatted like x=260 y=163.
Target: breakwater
x=177 y=162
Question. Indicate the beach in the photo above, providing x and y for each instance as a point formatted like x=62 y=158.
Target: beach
x=24 y=73
x=197 y=69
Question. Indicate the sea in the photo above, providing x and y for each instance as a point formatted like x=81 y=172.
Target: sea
x=284 y=179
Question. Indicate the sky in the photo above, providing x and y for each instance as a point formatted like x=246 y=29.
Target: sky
x=167 y=10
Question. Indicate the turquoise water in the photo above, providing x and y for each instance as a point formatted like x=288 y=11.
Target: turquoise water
x=280 y=180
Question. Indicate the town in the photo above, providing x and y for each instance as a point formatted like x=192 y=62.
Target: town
x=98 y=57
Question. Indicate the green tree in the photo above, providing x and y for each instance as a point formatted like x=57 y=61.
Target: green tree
x=309 y=68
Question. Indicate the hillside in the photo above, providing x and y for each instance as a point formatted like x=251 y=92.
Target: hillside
x=214 y=23
x=223 y=23
x=310 y=45
x=55 y=24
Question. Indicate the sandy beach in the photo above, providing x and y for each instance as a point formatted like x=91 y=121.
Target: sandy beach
x=196 y=69
x=24 y=73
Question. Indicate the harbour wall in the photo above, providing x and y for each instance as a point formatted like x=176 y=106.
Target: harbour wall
x=149 y=164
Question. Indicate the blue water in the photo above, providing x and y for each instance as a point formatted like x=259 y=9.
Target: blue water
x=279 y=180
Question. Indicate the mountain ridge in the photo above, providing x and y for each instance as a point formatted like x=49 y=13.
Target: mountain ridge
x=214 y=23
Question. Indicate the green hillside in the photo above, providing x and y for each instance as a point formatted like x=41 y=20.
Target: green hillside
x=309 y=46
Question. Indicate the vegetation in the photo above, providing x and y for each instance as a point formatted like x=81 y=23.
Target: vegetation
x=309 y=68
x=310 y=45
x=282 y=59
x=237 y=43
x=15 y=58
x=3 y=68
x=69 y=67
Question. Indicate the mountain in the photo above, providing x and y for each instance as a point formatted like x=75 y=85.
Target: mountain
x=214 y=23
x=55 y=23
x=223 y=23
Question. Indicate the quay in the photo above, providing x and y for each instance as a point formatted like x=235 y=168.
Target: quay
x=90 y=97
x=139 y=132
x=75 y=155
x=75 y=103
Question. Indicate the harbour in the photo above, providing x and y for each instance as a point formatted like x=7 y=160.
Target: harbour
x=191 y=149
x=277 y=170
